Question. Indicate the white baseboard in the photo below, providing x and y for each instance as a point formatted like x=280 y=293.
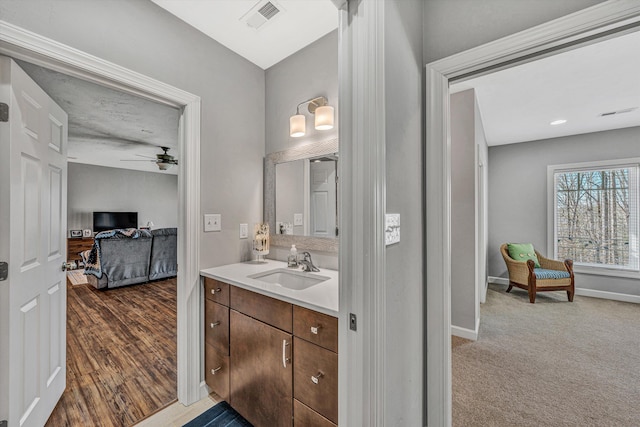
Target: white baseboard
x=498 y=280
x=466 y=333
x=608 y=295
x=204 y=390
x=583 y=292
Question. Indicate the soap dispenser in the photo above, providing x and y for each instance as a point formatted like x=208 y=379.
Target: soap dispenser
x=292 y=259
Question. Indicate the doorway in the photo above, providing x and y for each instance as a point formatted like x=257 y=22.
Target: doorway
x=603 y=21
x=25 y=45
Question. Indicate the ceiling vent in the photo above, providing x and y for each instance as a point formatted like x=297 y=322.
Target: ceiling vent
x=263 y=12
x=613 y=113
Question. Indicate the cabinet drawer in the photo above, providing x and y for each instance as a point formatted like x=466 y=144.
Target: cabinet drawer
x=303 y=416
x=315 y=327
x=216 y=367
x=266 y=309
x=216 y=326
x=315 y=378
x=216 y=291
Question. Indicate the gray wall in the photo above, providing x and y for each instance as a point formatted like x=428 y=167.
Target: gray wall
x=310 y=72
x=290 y=193
x=518 y=193
x=452 y=26
x=464 y=304
x=145 y=38
x=95 y=188
x=404 y=396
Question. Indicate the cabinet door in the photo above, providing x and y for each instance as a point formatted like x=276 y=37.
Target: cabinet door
x=216 y=326
x=261 y=378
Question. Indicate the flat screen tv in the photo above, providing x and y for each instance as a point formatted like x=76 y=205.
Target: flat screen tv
x=111 y=220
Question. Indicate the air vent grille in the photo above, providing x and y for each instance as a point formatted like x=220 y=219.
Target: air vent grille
x=613 y=113
x=269 y=10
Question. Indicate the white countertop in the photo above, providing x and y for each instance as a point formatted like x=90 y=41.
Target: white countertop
x=322 y=297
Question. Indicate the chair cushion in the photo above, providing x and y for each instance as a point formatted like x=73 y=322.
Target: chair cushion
x=543 y=273
x=523 y=252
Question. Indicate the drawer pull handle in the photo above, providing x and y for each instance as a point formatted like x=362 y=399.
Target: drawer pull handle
x=285 y=359
x=215 y=291
x=213 y=325
x=213 y=371
x=315 y=329
x=316 y=378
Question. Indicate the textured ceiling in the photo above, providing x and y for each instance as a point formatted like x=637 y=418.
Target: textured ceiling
x=517 y=104
x=107 y=126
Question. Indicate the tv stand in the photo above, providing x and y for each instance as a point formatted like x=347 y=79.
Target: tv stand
x=77 y=245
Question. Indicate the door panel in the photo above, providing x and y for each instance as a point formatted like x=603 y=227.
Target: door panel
x=34 y=296
x=323 y=198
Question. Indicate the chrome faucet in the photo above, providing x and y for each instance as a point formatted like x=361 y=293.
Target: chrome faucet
x=306 y=263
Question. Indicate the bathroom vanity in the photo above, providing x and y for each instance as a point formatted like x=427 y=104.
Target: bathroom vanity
x=271 y=342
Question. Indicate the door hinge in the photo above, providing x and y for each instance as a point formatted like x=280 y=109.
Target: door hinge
x=4 y=272
x=4 y=117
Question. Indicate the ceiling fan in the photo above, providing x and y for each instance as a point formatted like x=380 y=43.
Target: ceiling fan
x=163 y=160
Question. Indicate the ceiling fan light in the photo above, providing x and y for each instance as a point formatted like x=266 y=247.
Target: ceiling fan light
x=164 y=166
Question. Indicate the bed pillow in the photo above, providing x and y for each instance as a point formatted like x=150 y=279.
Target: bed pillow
x=523 y=252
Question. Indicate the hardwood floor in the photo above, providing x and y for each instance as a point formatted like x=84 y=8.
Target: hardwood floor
x=121 y=354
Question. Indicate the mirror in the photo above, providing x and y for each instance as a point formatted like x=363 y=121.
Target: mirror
x=301 y=196
x=307 y=197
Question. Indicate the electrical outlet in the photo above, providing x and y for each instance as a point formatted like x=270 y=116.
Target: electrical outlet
x=212 y=222
x=244 y=231
x=297 y=219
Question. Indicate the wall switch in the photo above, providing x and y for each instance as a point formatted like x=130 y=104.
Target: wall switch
x=212 y=222
x=392 y=229
x=244 y=231
x=297 y=219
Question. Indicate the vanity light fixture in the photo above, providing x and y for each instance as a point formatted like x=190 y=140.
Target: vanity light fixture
x=323 y=116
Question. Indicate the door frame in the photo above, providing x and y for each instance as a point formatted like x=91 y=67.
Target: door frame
x=19 y=43
x=586 y=26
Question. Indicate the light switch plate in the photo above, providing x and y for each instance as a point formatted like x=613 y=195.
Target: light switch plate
x=212 y=222
x=297 y=219
x=392 y=229
x=244 y=231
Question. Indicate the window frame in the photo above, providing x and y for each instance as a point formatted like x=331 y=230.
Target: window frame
x=605 y=270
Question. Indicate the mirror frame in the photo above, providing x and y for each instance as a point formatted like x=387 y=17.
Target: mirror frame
x=306 y=151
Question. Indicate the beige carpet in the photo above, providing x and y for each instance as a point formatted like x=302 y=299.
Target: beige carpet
x=77 y=277
x=551 y=363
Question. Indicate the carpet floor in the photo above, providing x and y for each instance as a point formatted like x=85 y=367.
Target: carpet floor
x=552 y=363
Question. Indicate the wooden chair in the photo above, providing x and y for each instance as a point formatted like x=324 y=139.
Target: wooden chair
x=551 y=276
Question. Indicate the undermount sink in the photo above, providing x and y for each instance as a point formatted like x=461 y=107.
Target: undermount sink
x=291 y=279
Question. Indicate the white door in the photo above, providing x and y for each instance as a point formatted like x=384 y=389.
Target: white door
x=33 y=206
x=323 y=198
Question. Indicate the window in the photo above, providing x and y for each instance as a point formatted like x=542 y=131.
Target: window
x=595 y=214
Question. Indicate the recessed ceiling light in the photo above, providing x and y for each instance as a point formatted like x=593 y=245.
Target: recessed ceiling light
x=558 y=122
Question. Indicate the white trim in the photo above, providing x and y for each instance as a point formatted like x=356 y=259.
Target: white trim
x=465 y=332
x=524 y=46
x=499 y=280
x=361 y=360
x=23 y=44
x=608 y=295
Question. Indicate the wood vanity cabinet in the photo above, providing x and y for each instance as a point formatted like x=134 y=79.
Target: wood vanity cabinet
x=216 y=336
x=278 y=363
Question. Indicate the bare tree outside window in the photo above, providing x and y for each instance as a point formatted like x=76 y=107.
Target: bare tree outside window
x=595 y=215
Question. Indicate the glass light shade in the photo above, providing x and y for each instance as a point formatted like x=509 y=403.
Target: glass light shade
x=164 y=166
x=324 y=117
x=297 y=125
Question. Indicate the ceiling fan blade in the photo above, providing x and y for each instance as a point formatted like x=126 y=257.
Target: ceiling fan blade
x=135 y=160
x=142 y=155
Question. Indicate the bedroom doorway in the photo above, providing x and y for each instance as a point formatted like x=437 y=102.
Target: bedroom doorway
x=27 y=46
x=589 y=26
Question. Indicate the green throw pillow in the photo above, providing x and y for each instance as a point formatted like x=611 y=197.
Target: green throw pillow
x=523 y=252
